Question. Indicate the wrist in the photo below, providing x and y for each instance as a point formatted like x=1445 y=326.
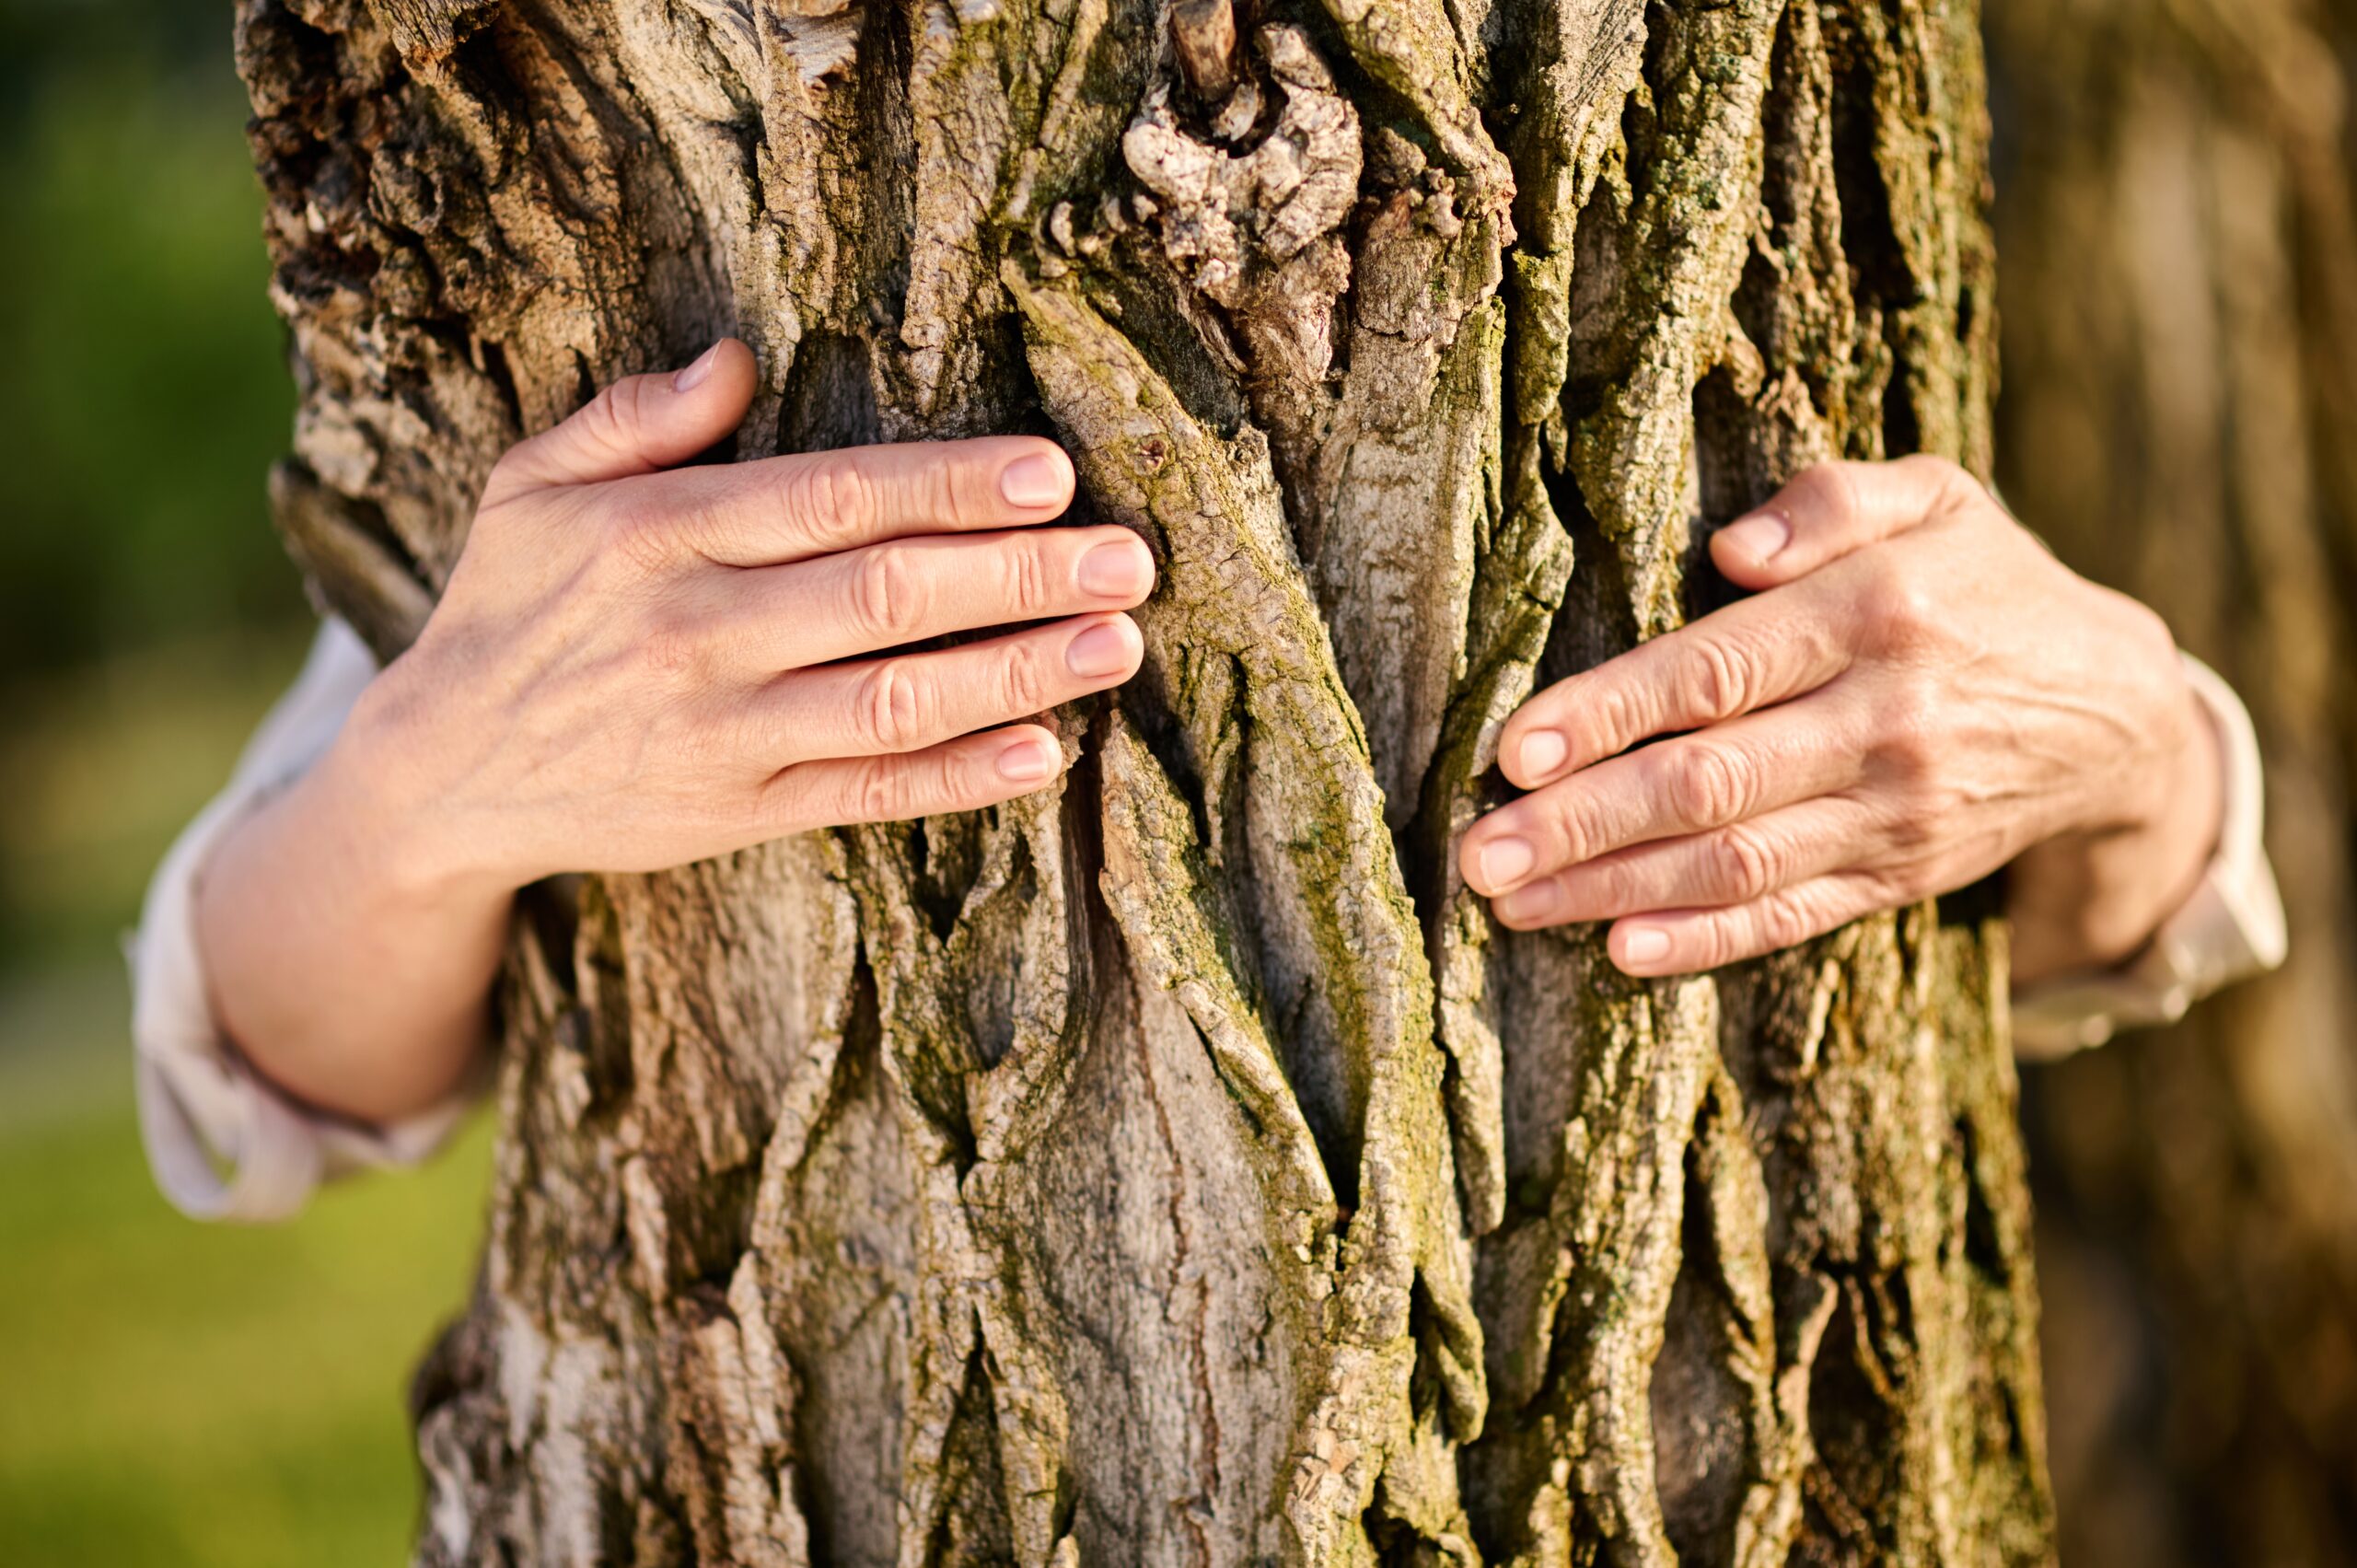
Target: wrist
x=372 y=796
x=347 y=950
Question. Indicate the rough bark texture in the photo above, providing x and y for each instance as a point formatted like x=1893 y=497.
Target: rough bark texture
x=2181 y=420
x=1179 y=1167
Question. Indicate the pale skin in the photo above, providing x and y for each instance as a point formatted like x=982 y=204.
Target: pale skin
x=637 y=664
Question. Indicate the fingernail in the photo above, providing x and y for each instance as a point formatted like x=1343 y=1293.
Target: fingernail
x=693 y=376
x=1506 y=861
x=1102 y=650
x=1534 y=902
x=1119 y=568
x=1040 y=479
x=1542 y=752
x=1758 y=536
x=1028 y=762
x=1643 y=944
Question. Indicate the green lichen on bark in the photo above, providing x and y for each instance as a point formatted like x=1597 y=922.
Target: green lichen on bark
x=1180 y=1164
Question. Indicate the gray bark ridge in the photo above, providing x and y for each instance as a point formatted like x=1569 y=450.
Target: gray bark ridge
x=1180 y=1165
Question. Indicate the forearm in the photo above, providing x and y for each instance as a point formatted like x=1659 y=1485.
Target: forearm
x=344 y=975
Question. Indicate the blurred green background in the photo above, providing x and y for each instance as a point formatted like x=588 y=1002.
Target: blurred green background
x=169 y=1393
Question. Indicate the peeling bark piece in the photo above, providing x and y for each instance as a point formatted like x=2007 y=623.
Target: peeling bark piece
x=426 y=32
x=1204 y=33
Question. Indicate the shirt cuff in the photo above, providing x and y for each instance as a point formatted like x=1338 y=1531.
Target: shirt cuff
x=2231 y=926
x=224 y=1143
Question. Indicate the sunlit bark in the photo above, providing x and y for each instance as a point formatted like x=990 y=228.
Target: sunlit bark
x=1179 y=1167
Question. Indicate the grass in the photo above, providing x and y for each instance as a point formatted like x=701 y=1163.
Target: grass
x=187 y=1394
x=178 y=1393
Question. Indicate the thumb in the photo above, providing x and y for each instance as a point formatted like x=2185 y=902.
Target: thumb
x=635 y=426
x=1833 y=510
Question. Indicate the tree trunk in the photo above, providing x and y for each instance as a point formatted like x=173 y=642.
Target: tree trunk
x=1179 y=1167
x=2181 y=420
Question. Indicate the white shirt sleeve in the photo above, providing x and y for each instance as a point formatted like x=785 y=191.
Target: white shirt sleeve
x=2231 y=926
x=224 y=1143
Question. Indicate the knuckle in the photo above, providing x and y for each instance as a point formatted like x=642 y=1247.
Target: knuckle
x=884 y=588
x=1719 y=938
x=611 y=420
x=879 y=788
x=1601 y=887
x=626 y=409
x=1710 y=784
x=1722 y=677
x=1831 y=494
x=1571 y=818
x=1022 y=681
x=602 y=418
x=1946 y=481
x=891 y=707
x=1616 y=707
x=1616 y=882
x=1025 y=566
x=1746 y=865
x=957 y=777
x=1900 y=611
x=1785 y=921
x=831 y=498
x=944 y=496
x=742 y=738
x=1910 y=734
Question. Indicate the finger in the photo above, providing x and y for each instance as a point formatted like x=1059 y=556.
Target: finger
x=783 y=509
x=965 y=774
x=1831 y=511
x=908 y=702
x=888 y=594
x=636 y=425
x=1728 y=774
x=1689 y=941
x=1750 y=655
x=1735 y=864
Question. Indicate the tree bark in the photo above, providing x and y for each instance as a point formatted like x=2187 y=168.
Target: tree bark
x=1179 y=1167
x=2181 y=420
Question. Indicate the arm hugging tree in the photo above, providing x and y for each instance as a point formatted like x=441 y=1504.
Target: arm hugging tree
x=1180 y=1165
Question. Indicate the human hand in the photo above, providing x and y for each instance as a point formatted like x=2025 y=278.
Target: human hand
x=1918 y=695
x=635 y=665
